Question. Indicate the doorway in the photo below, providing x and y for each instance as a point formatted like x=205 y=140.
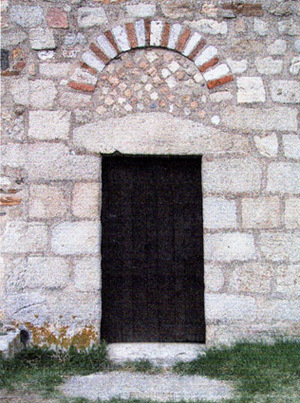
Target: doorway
x=152 y=249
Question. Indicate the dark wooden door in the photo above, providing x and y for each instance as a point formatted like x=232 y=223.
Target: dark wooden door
x=152 y=250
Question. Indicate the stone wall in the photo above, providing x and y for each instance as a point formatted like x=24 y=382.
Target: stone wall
x=82 y=78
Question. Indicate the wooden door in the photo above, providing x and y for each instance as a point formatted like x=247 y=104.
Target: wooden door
x=152 y=250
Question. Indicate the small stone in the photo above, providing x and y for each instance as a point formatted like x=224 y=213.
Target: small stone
x=41 y=38
x=27 y=16
x=174 y=66
x=291 y=146
x=46 y=54
x=171 y=81
x=91 y=16
x=215 y=120
x=12 y=38
x=165 y=73
x=128 y=108
x=141 y=10
x=289 y=27
x=268 y=65
x=267 y=145
x=277 y=48
x=154 y=96
x=57 y=18
x=295 y=66
x=109 y=101
x=260 y=27
x=250 y=89
x=101 y=109
x=198 y=78
x=285 y=91
x=297 y=45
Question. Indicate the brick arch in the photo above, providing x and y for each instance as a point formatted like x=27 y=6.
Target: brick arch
x=144 y=34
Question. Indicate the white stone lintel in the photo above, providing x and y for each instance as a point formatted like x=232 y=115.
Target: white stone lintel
x=121 y=38
x=206 y=55
x=140 y=33
x=174 y=35
x=217 y=72
x=156 y=30
x=106 y=47
x=192 y=43
x=93 y=61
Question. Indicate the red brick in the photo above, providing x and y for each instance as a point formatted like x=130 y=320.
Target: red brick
x=182 y=40
x=20 y=65
x=219 y=81
x=209 y=64
x=109 y=36
x=98 y=52
x=81 y=86
x=131 y=35
x=248 y=10
x=195 y=52
x=90 y=69
x=57 y=18
x=148 y=31
x=165 y=35
x=9 y=201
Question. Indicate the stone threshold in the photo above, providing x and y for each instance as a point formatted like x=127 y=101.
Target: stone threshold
x=162 y=354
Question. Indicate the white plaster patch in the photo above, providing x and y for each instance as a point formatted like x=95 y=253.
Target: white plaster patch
x=140 y=33
x=121 y=38
x=105 y=45
x=174 y=35
x=156 y=33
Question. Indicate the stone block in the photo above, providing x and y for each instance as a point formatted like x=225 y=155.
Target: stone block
x=280 y=246
x=285 y=91
x=289 y=27
x=295 y=66
x=237 y=66
x=277 y=48
x=142 y=10
x=57 y=162
x=47 y=201
x=288 y=280
x=211 y=27
x=9 y=38
x=292 y=212
x=213 y=278
x=49 y=125
x=263 y=212
x=221 y=96
x=268 y=65
x=41 y=38
x=164 y=134
x=280 y=118
x=260 y=27
x=217 y=72
x=76 y=238
x=91 y=16
x=254 y=277
x=250 y=89
x=27 y=16
x=177 y=8
x=234 y=175
x=10 y=344
x=57 y=18
x=283 y=177
x=228 y=247
x=86 y=200
x=47 y=272
x=87 y=276
x=272 y=310
x=54 y=70
x=291 y=146
x=208 y=53
x=42 y=94
x=219 y=213
x=20 y=91
x=24 y=237
x=29 y=306
x=223 y=308
x=267 y=145
x=71 y=100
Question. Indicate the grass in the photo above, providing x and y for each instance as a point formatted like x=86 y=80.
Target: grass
x=261 y=372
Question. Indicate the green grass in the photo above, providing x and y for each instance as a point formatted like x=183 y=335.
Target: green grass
x=268 y=373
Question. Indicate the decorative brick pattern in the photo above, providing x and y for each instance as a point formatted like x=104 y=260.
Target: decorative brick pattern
x=156 y=33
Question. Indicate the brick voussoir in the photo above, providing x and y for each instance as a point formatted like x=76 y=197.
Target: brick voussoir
x=208 y=64
x=165 y=35
x=131 y=34
x=197 y=49
x=81 y=86
x=98 y=52
x=220 y=81
x=182 y=40
x=109 y=36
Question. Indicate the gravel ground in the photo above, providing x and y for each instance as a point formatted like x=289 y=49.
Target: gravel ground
x=161 y=387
